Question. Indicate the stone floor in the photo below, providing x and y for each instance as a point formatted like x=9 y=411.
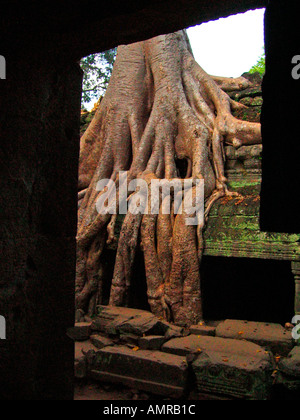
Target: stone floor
x=128 y=354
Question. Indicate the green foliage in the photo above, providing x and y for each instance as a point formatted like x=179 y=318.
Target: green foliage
x=260 y=66
x=97 y=69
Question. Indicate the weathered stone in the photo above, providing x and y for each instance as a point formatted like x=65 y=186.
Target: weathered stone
x=272 y=336
x=144 y=324
x=182 y=346
x=252 y=164
x=130 y=339
x=81 y=349
x=226 y=367
x=198 y=344
x=289 y=374
x=79 y=316
x=100 y=342
x=115 y=320
x=203 y=330
x=81 y=331
x=290 y=366
x=152 y=342
x=104 y=325
x=80 y=368
x=238 y=369
x=174 y=332
x=87 y=319
x=149 y=371
x=110 y=318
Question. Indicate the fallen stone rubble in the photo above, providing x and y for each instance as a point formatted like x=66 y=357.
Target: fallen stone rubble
x=233 y=359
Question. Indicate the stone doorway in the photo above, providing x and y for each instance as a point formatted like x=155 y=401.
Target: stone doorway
x=249 y=289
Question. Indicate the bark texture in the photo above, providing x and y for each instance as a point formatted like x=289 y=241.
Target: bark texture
x=160 y=108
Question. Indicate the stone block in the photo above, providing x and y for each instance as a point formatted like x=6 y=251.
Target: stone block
x=289 y=374
x=225 y=367
x=150 y=371
x=79 y=316
x=80 y=368
x=245 y=375
x=203 y=330
x=194 y=344
x=271 y=336
x=81 y=349
x=81 y=331
x=114 y=320
x=100 y=342
x=174 y=332
x=152 y=342
x=144 y=324
x=130 y=339
x=290 y=366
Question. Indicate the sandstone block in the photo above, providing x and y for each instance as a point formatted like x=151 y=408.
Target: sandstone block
x=150 y=371
x=274 y=337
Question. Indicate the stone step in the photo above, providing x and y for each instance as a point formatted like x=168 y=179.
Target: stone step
x=271 y=336
x=227 y=367
x=150 y=371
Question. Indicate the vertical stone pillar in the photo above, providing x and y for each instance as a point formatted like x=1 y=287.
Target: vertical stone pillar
x=281 y=92
x=296 y=272
x=39 y=129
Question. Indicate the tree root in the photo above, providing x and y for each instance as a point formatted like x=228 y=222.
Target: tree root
x=160 y=106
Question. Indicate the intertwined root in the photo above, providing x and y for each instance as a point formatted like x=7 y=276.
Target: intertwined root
x=160 y=107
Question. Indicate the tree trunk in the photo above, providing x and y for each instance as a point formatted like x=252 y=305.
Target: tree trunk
x=160 y=107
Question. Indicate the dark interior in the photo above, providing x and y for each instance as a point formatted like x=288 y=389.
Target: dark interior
x=249 y=289
x=232 y=288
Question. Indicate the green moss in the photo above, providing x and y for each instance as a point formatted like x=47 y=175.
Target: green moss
x=237 y=185
x=258 y=101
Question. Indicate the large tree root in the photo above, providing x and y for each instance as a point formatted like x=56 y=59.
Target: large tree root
x=160 y=107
